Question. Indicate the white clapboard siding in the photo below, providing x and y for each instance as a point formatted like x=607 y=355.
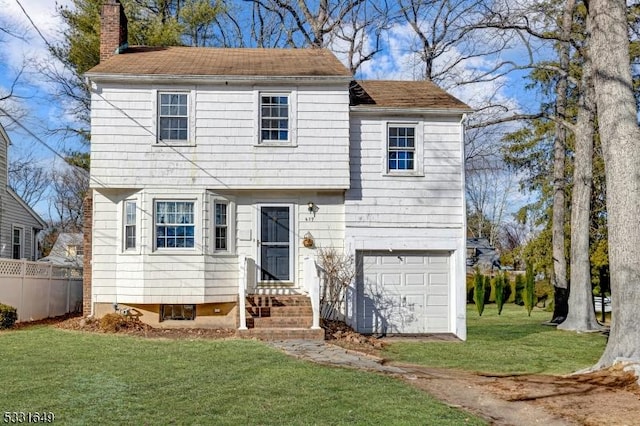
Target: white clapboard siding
x=326 y=227
x=223 y=153
x=432 y=200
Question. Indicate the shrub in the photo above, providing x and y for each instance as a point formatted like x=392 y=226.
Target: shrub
x=487 y=289
x=499 y=285
x=8 y=316
x=530 y=289
x=507 y=288
x=478 y=295
x=519 y=289
x=470 y=287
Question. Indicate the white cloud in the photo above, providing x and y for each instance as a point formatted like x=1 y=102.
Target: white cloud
x=27 y=52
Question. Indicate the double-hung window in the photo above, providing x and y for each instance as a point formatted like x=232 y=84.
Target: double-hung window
x=17 y=242
x=129 y=225
x=274 y=118
x=174 y=224
x=173 y=117
x=401 y=148
x=221 y=226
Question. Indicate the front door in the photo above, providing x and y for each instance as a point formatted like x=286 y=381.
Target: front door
x=275 y=243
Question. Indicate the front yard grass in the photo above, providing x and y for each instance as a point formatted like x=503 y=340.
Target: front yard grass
x=511 y=343
x=88 y=378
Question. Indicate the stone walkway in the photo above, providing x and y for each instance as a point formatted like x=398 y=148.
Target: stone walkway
x=325 y=353
x=452 y=388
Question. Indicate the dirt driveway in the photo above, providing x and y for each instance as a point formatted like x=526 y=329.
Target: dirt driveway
x=609 y=397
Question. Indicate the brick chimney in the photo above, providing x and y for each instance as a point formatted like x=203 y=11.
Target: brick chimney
x=113 y=29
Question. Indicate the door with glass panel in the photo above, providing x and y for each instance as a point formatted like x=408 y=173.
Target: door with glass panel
x=275 y=244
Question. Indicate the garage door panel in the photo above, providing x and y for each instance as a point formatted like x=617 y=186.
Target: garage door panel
x=404 y=292
x=414 y=260
x=438 y=325
x=439 y=259
x=436 y=304
x=390 y=279
x=415 y=279
x=439 y=279
x=389 y=260
x=439 y=290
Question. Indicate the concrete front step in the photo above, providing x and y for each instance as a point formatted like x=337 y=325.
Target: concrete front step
x=281 y=333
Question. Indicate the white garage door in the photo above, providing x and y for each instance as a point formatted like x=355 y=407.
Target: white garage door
x=403 y=292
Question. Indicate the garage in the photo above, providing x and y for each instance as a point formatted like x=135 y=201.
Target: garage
x=403 y=292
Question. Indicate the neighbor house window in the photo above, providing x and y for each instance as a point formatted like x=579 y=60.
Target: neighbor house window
x=401 y=148
x=173 y=118
x=175 y=224
x=177 y=312
x=17 y=243
x=274 y=118
x=129 y=225
x=221 y=226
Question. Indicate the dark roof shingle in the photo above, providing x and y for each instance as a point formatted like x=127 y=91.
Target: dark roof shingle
x=207 y=61
x=402 y=94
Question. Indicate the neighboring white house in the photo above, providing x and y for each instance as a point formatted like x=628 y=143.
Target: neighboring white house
x=206 y=160
x=67 y=250
x=19 y=224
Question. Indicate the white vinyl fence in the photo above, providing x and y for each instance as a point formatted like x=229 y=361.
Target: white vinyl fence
x=40 y=290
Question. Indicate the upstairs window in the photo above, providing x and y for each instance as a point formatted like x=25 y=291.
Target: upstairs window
x=274 y=118
x=175 y=224
x=222 y=227
x=401 y=148
x=129 y=225
x=173 y=117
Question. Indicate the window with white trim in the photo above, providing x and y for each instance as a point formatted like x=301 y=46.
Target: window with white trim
x=401 y=148
x=221 y=220
x=173 y=117
x=174 y=223
x=274 y=118
x=129 y=225
x=17 y=242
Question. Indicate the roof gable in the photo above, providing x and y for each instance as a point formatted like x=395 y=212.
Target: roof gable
x=403 y=94
x=206 y=61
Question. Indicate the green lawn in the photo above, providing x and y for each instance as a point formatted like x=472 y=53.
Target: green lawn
x=111 y=379
x=510 y=343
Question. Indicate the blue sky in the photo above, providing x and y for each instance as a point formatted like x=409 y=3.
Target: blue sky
x=40 y=112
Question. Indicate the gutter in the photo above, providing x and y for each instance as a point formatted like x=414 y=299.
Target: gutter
x=172 y=78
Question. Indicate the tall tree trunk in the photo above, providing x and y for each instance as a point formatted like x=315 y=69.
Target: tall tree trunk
x=581 y=313
x=559 y=277
x=619 y=133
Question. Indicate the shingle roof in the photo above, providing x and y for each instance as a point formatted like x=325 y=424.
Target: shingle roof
x=403 y=94
x=206 y=61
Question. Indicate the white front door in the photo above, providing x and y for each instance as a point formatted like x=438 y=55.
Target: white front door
x=276 y=243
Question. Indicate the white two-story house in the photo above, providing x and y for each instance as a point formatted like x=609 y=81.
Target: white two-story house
x=214 y=169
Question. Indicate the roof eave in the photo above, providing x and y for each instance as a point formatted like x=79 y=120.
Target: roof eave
x=364 y=109
x=32 y=212
x=175 y=78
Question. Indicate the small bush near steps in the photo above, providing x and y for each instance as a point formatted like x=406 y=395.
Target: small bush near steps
x=8 y=316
